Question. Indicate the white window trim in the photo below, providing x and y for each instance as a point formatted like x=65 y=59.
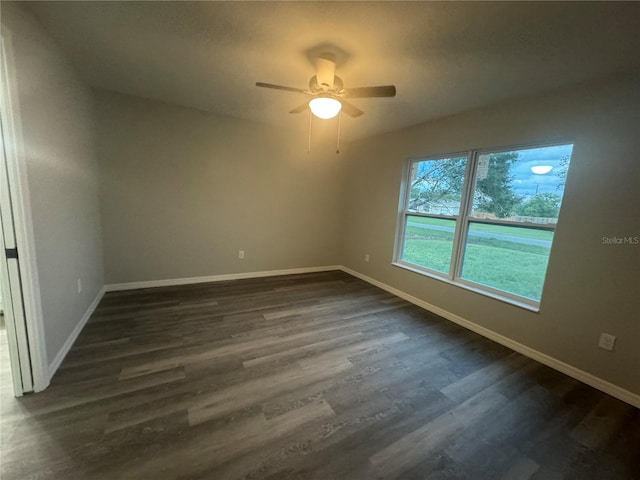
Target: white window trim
x=463 y=219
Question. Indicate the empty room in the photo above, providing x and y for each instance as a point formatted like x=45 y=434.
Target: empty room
x=320 y=240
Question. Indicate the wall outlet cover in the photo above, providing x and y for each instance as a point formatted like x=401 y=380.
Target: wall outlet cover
x=607 y=341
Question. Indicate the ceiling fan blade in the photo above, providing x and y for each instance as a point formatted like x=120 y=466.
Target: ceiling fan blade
x=300 y=108
x=280 y=87
x=350 y=109
x=371 y=92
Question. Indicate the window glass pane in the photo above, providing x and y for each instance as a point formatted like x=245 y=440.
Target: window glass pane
x=521 y=185
x=428 y=242
x=436 y=186
x=508 y=258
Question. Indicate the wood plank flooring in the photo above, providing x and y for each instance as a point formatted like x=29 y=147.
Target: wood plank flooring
x=317 y=376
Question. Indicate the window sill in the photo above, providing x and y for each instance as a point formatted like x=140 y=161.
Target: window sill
x=478 y=290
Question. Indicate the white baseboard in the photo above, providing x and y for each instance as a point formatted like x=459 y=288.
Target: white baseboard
x=117 y=287
x=580 y=375
x=55 y=364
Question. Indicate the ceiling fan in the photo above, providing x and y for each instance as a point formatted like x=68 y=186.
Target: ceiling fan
x=328 y=92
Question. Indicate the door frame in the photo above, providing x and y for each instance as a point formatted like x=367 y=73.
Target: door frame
x=15 y=325
x=16 y=160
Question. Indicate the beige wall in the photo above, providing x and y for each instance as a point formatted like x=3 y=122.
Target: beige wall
x=590 y=287
x=182 y=191
x=56 y=114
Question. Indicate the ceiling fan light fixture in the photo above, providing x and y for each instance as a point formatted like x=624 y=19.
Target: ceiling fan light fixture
x=325 y=107
x=541 y=169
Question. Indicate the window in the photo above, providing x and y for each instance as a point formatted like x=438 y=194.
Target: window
x=485 y=219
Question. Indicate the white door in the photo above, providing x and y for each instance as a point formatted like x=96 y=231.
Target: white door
x=10 y=281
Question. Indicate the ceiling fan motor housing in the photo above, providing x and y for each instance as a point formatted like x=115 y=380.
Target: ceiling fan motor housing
x=326 y=70
x=316 y=87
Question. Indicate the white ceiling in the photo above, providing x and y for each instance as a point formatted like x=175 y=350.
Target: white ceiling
x=443 y=57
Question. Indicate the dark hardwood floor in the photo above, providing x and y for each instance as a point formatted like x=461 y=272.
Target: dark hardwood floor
x=317 y=376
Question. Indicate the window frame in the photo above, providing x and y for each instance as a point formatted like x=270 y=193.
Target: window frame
x=463 y=222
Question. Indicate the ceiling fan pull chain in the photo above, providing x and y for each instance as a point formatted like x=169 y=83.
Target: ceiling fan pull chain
x=310 y=120
x=338 y=140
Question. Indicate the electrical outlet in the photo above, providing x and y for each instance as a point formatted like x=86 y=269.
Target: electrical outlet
x=366 y=257
x=606 y=341
x=240 y=253
x=79 y=285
